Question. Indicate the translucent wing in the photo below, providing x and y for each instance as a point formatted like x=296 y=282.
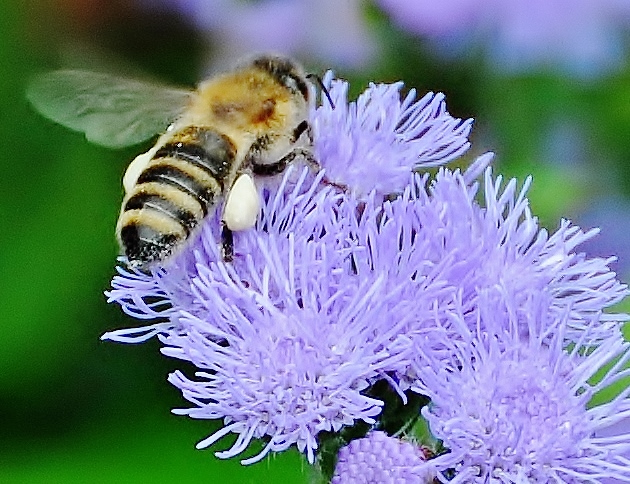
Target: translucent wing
x=111 y=111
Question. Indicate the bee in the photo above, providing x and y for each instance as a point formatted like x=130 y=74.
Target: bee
x=248 y=122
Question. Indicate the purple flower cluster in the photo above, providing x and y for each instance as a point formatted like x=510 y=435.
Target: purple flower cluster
x=431 y=284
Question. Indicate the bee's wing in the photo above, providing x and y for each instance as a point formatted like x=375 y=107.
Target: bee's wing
x=111 y=111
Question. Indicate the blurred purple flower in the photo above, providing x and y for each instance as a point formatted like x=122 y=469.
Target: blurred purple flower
x=326 y=31
x=584 y=37
x=611 y=214
x=515 y=407
x=383 y=459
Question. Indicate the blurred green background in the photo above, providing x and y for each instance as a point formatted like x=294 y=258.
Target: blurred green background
x=75 y=409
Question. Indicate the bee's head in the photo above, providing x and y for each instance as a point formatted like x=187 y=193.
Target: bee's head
x=285 y=71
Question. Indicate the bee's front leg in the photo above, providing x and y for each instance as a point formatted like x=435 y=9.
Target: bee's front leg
x=277 y=167
x=263 y=144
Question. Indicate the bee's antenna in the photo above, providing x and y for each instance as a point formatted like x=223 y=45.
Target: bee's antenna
x=323 y=88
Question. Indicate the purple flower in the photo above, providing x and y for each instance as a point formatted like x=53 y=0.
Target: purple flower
x=514 y=406
x=374 y=142
x=383 y=459
x=287 y=338
x=498 y=246
x=584 y=37
x=439 y=234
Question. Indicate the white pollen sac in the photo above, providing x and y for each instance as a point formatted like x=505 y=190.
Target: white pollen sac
x=242 y=205
x=136 y=167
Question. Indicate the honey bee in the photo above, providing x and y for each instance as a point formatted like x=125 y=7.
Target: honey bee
x=248 y=122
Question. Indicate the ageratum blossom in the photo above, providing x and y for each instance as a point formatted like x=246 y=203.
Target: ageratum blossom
x=514 y=406
x=380 y=458
x=498 y=245
x=374 y=142
x=446 y=234
x=288 y=337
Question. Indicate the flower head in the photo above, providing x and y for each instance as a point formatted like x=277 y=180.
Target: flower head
x=374 y=142
x=378 y=457
x=497 y=245
x=514 y=406
x=287 y=337
x=287 y=341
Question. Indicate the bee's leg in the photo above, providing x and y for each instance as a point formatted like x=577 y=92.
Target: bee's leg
x=227 y=243
x=305 y=128
x=302 y=128
x=270 y=169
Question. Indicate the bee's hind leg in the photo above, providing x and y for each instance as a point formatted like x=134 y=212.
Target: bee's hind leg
x=227 y=243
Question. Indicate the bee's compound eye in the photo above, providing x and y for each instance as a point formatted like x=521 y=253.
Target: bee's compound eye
x=242 y=205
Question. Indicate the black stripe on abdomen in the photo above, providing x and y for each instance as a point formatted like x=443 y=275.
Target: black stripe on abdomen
x=203 y=147
x=144 y=244
x=175 y=177
x=149 y=201
x=214 y=164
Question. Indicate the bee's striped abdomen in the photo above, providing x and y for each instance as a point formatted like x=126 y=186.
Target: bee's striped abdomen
x=174 y=192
